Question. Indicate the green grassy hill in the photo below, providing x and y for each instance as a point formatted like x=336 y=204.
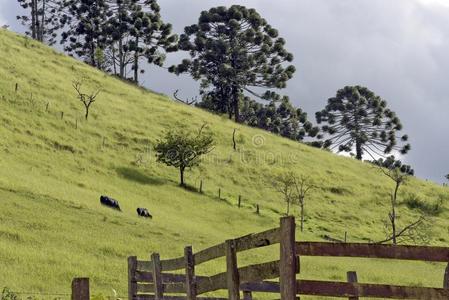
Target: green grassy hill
x=53 y=228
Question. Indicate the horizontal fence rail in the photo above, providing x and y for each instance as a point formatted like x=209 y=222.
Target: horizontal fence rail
x=148 y=280
x=435 y=254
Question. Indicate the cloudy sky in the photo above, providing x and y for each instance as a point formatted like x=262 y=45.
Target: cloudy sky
x=399 y=49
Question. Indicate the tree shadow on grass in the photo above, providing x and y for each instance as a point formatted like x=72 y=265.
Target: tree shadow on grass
x=138 y=176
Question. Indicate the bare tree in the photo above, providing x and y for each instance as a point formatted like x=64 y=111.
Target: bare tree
x=413 y=232
x=187 y=101
x=284 y=183
x=303 y=185
x=86 y=99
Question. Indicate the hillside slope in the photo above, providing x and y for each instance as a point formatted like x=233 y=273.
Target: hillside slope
x=53 y=170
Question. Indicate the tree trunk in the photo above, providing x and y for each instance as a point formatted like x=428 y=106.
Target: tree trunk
x=87 y=113
x=136 y=61
x=235 y=103
x=42 y=24
x=181 y=174
x=393 y=211
x=358 y=149
x=33 y=18
x=302 y=215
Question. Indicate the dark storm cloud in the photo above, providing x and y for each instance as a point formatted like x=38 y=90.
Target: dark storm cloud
x=399 y=49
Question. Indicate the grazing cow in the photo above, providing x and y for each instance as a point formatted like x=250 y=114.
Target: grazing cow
x=143 y=212
x=112 y=203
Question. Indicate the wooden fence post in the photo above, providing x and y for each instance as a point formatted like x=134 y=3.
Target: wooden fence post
x=446 y=277
x=257 y=209
x=247 y=295
x=240 y=201
x=157 y=277
x=132 y=283
x=287 y=264
x=190 y=273
x=352 y=278
x=219 y=193
x=232 y=276
x=80 y=289
x=201 y=186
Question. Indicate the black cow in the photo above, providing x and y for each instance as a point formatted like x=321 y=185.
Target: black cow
x=112 y=203
x=143 y=212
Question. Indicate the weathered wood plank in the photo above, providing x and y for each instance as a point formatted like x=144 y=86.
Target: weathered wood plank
x=262 y=286
x=210 y=284
x=173 y=264
x=209 y=254
x=174 y=287
x=345 y=290
x=252 y=273
x=257 y=240
x=232 y=271
x=157 y=277
x=259 y=272
x=145 y=288
x=287 y=264
x=190 y=273
x=80 y=289
x=132 y=280
x=352 y=278
x=425 y=253
x=250 y=241
x=151 y=297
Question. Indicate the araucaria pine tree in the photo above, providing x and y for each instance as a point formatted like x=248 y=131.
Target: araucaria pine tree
x=358 y=119
x=85 y=24
x=138 y=33
x=42 y=19
x=234 y=50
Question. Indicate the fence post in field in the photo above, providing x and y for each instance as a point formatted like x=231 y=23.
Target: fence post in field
x=352 y=278
x=446 y=277
x=157 y=277
x=80 y=289
x=287 y=264
x=240 y=201
x=232 y=276
x=132 y=283
x=190 y=273
x=247 y=295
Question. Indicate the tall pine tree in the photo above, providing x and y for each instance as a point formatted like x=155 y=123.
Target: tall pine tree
x=84 y=30
x=357 y=118
x=234 y=50
x=42 y=19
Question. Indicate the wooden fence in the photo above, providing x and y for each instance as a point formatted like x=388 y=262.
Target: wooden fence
x=148 y=280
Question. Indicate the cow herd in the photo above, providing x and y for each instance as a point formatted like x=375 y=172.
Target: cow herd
x=112 y=203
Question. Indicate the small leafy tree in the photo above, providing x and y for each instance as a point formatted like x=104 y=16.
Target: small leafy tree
x=357 y=118
x=303 y=185
x=86 y=99
x=284 y=183
x=183 y=149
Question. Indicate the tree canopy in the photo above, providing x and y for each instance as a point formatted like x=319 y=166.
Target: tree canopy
x=42 y=19
x=115 y=34
x=183 y=149
x=234 y=50
x=356 y=117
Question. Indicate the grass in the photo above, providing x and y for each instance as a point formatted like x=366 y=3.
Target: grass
x=52 y=227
